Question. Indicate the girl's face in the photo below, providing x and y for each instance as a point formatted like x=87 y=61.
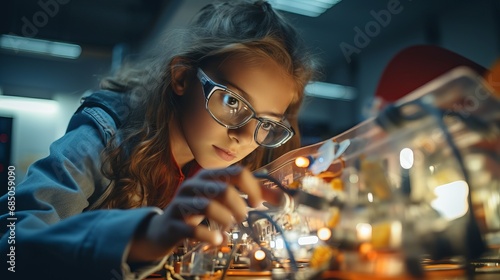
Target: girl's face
x=263 y=85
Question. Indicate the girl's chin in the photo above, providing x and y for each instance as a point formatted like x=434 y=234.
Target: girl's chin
x=215 y=164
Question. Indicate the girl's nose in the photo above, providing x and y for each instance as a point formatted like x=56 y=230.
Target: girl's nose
x=245 y=134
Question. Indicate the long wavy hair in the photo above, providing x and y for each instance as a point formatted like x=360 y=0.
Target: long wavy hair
x=138 y=160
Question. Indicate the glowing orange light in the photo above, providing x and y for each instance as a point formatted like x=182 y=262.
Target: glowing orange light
x=302 y=162
x=259 y=255
x=365 y=248
x=225 y=249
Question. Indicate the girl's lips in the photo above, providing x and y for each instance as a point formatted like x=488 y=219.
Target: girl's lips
x=223 y=154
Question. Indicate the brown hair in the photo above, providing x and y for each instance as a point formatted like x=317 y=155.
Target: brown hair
x=141 y=164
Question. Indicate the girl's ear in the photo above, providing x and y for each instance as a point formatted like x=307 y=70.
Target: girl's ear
x=179 y=73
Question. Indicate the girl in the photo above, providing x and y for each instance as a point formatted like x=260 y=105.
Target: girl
x=224 y=98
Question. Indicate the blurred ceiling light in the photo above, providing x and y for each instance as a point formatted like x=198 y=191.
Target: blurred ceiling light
x=44 y=47
x=30 y=105
x=311 y=8
x=330 y=91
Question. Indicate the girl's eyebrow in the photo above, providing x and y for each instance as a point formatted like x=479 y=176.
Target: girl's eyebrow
x=248 y=98
x=239 y=91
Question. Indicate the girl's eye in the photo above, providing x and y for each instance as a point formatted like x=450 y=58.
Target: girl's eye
x=267 y=126
x=231 y=102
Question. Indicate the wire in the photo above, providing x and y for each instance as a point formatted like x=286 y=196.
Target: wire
x=439 y=116
x=230 y=258
x=264 y=215
x=249 y=232
x=392 y=118
x=473 y=232
x=264 y=175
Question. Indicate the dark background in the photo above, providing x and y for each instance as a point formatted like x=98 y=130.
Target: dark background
x=109 y=30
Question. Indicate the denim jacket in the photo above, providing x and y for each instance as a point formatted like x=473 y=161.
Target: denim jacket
x=55 y=235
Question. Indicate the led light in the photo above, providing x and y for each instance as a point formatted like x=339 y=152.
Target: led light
x=308 y=240
x=364 y=231
x=353 y=178
x=299 y=8
x=259 y=255
x=370 y=197
x=28 y=105
x=365 y=248
x=44 y=47
x=406 y=158
x=302 y=162
x=235 y=235
x=330 y=91
x=312 y=8
x=324 y=233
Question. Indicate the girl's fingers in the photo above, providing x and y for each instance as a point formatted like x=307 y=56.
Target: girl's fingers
x=214 y=183
x=203 y=234
x=244 y=181
x=184 y=208
x=224 y=186
x=248 y=184
x=189 y=209
x=232 y=200
x=220 y=214
x=273 y=196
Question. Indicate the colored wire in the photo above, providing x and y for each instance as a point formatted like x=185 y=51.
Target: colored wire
x=266 y=176
x=264 y=215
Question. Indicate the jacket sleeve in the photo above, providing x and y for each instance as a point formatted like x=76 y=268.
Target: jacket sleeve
x=48 y=235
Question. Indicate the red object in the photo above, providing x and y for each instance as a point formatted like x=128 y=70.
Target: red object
x=417 y=65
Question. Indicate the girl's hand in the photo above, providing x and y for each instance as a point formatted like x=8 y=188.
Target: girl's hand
x=213 y=194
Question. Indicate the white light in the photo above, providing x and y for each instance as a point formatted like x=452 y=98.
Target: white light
x=370 y=197
x=324 y=233
x=353 y=178
x=235 y=235
x=396 y=234
x=58 y=49
x=364 y=231
x=259 y=255
x=451 y=199
x=299 y=8
x=312 y=8
x=28 y=105
x=324 y=5
x=272 y=244
x=406 y=158
x=308 y=240
x=330 y=91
